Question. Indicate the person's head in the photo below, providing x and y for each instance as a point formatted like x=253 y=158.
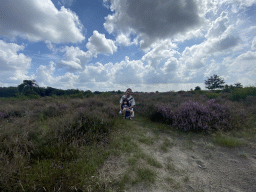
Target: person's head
x=128 y=92
x=125 y=101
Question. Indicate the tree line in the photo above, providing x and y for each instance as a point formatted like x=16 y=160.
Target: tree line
x=30 y=88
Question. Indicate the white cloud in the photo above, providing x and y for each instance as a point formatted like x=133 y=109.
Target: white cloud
x=151 y=76
x=14 y=65
x=170 y=65
x=39 y=20
x=160 y=51
x=243 y=68
x=218 y=26
x=44 y=75
x=219 y=42
x=95 y=73
x=246 y=3
x=253 y=47
x=67 y=79
x=128 y=72
x=74 y=59
x=97 y=44
x=123 y=39
x=152 y=20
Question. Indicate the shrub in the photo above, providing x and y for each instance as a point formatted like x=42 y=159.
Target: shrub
x=85 y=127
x=242 y=93
x=193 y=116
x=77 y=95
x=3 y=115
x=52 y=110
x=212 y=95
x=197 y=88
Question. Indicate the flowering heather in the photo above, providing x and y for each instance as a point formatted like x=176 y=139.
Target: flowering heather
x=3 y=115
x=194 y=116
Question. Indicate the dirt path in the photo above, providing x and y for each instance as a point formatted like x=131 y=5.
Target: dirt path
x=188 y=164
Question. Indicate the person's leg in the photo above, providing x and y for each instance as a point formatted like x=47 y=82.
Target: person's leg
x=124 y=111
x=132 y=113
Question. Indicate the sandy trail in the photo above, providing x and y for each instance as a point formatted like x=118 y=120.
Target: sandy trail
x=196 y=165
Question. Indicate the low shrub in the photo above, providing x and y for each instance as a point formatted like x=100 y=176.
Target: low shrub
x=212 y=95
x=242 y=93
x=77 y=95
x=194 y=116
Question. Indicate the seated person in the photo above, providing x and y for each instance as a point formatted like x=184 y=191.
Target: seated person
x=131 y=102
x=125 y=107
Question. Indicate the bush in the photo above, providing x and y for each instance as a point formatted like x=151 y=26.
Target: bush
x=193 y=116
x=105 y=94
x=199 y=92
x=197 y=88
x=242 y=93
x=212 y=95
x=77 y=95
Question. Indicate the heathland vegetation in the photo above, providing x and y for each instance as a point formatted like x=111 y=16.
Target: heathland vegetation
x=56 y=143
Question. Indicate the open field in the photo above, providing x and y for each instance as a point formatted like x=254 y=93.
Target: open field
x=83 y=144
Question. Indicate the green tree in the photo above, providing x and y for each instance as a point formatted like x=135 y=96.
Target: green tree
x=197 y=88
x=238 y=85
x=214 y=82
x=28 y=87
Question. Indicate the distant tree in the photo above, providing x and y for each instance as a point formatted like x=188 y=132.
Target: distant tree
x=197 y=88
x=97 y=92
x=28 y=87
x=8 y=91
x=238 y=85
x=214 y=82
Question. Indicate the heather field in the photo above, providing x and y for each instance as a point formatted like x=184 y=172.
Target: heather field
x=177 y=141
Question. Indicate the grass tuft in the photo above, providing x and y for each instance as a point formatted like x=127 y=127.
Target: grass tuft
x=154 y=162
x=227 y=141
x=147 y=175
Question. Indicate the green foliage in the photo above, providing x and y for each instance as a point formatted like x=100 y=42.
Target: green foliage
x=228 y=88
x=242 y=93
x=8 y=91
x=77 y=95
x=105 y=94
x=217 y=91
x=238 y=85
x=197 y=88
x=227 y=141
x=119 y=92
x=199 y=92
x=214 y=82
x=212 y=95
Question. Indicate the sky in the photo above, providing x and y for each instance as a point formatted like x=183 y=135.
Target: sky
x=145 y=45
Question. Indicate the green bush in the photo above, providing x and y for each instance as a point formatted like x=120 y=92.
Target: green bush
x=54 y=96
x=212 y=95
x=105 y=94
x=199 y=92
x=242 y=93
x=34 y=96
x=77 y=95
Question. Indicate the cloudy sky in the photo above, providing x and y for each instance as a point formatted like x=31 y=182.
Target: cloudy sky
x=147 y=45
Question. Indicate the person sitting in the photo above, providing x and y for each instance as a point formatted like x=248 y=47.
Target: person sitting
x=131 y=102
x=125 y=107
